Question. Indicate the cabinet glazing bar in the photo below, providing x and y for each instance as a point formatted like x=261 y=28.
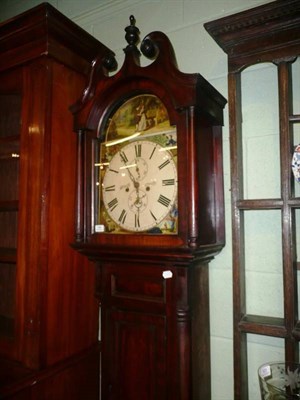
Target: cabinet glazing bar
x=238 y=246
x=289 y=272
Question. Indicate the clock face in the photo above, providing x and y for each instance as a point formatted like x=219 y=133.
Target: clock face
x=136 y=175
x=140 y=186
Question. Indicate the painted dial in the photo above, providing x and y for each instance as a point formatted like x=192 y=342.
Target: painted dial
x=140 y=186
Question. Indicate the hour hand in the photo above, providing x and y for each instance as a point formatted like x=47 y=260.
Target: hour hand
x=126 y=187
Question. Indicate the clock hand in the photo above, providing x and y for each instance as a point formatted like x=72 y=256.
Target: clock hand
x=127 y=167
x=153 y=182
x=138 y=201
x=130 y=175
x=136 y=184
x=127 y=186
x=137 y=168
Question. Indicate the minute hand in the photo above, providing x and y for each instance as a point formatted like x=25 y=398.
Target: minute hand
x=135 y=182
x=124 y=159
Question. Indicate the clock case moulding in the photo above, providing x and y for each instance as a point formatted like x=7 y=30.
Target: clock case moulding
x=195 y=107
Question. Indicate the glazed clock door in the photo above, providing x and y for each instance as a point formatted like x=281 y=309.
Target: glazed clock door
x=136 y=172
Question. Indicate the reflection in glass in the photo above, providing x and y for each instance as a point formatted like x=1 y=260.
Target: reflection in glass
x=263 y=263
x=295 y=133
x=295 y=68
x=295 y=127
x=10 y=125
x=260 y=126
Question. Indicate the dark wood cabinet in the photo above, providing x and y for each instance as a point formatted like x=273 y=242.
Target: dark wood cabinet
x=48 y=312
x=150 y=214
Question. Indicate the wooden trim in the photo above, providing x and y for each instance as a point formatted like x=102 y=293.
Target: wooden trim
x=43 y=30
x=263 y=325
x=21 y=378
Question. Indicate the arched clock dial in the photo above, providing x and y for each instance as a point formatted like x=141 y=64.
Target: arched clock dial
x=140 y=186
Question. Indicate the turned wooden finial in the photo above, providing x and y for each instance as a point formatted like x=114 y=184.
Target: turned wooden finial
x=132 y=35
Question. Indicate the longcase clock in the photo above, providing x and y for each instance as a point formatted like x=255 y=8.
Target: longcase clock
x=150 y=214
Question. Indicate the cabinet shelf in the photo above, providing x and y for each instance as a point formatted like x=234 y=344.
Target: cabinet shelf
x=8 y=255
x=9 y=138
x=12 y=205
x=6 y=326
x=9 y=148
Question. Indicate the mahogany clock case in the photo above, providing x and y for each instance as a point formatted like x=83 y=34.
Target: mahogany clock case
x=152 y=286
x=195 y=111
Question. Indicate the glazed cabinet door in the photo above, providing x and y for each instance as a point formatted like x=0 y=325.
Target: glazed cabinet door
x=10 y=125
x=135 y=319
x=24 y=121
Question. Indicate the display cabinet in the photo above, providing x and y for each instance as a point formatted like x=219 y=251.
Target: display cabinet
x=266 y=34
x=48 y=313
x=150 y=214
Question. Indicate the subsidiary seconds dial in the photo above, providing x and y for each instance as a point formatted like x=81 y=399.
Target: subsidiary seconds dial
x=140 y=186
